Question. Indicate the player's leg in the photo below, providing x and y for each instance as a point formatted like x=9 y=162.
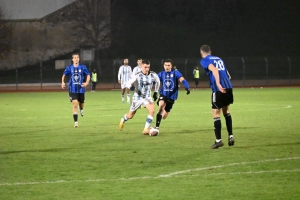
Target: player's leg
x=161 y=110
x=216 y=105
x=123 y=88
x=226 y=112
x=151 y=109
x=75 y=109
x=133 y=108
x=128 y=95
x=81 y=98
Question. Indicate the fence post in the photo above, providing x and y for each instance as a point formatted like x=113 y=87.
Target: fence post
x=243 y=61
x=290 y=70
x=267 y=70
x=16 y=78
x=41 y=74
x=114 y=73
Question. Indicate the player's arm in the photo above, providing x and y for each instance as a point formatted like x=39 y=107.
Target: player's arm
x=63 y=85
x=157 y=83
x=129 y=83
x=119 y=75
x=66 y=72
x=215 y=72
x=184 y=82
x=88 y=78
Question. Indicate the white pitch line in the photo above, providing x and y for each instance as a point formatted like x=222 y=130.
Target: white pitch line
x=174 y=174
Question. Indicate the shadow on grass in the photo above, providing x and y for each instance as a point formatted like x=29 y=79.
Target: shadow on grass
x=33 y=151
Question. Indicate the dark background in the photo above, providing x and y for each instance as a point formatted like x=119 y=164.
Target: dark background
x=177 y=28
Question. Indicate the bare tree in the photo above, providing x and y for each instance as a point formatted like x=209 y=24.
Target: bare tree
x=5 y=34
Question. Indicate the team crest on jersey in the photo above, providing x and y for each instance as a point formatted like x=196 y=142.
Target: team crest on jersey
x=171 y=75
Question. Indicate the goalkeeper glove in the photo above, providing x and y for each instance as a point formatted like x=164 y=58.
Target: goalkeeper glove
x=154 y=96
x=187 y=91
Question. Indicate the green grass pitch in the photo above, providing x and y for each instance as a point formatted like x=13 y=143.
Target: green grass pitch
x=42 y=156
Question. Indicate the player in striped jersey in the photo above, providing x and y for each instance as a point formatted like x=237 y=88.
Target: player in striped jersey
x=79 y=79
x=138 y=68
x=143 y=82
x=222 y=95
x=124 y=74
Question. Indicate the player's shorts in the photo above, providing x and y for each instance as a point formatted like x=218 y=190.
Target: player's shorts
x=77 y=96
x=220 y=100
x=123 y=85
x=169 y=102
x=136 y=103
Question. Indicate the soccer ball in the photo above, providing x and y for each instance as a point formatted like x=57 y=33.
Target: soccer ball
x=153 y=131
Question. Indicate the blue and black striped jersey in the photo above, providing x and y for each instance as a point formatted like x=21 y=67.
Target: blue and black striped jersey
x=219 y=64
x=169 y=82
x=77 y=77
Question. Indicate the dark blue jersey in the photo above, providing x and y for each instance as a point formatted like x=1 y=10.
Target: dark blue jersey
x=169 y=83
x=219 y=64
x=77 y=77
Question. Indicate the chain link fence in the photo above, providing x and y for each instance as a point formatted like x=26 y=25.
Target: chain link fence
x=245 y=72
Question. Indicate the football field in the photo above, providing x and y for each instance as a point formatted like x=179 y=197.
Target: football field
x=42 y=156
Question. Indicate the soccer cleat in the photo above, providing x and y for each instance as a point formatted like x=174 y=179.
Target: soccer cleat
x=230 y=141
x=121 y=124
x=76 y=124
x=81 y=113
x=146 y=131
x=217 y=145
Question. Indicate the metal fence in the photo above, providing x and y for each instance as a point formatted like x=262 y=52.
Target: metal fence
x=245 y=72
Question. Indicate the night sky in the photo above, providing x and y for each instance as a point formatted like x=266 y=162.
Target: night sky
x=177 y=28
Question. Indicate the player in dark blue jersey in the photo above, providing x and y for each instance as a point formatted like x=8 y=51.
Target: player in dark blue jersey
x=79 y=79
x=222 y=95
x=168 y=93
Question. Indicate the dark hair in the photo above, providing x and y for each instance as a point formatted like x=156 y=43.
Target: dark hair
x=139 y=59
x=73 y=54
x=145 y=61
x=168 y=60
x=205 y=48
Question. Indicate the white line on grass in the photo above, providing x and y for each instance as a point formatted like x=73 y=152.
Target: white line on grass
x=174 y=174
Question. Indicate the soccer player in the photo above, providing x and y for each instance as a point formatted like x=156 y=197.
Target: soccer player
x=124 y=74
x=222 y=95
x=138 y=68
x=79 y=79
x=168 y=93
x=143 y=82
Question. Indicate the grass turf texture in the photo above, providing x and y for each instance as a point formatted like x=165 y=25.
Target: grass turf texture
x=42 y=156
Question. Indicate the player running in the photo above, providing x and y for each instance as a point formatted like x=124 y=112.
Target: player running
x=143 y=82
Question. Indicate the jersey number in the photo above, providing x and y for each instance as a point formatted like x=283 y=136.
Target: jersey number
x=219 y=65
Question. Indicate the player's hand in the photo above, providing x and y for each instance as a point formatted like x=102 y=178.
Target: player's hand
x=223 y=90
x=84 y=84
x=132 y=88
x=187 y=91
x=139 y=93
x=63 y=85
x=154 y=96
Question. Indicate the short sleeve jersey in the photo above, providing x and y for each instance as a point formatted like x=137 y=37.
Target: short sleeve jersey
x=219 y=64
x=169 y=83
x=77 y=77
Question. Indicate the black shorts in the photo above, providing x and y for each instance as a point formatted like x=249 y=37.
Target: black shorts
x=169 y=102
x=77 y=96
x=220 y=100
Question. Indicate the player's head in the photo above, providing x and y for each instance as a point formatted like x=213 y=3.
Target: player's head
x=139 y=61
x=205 y=50
x=168 y=64
x=125 y=61
x=75 y=58
x=145 y=66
